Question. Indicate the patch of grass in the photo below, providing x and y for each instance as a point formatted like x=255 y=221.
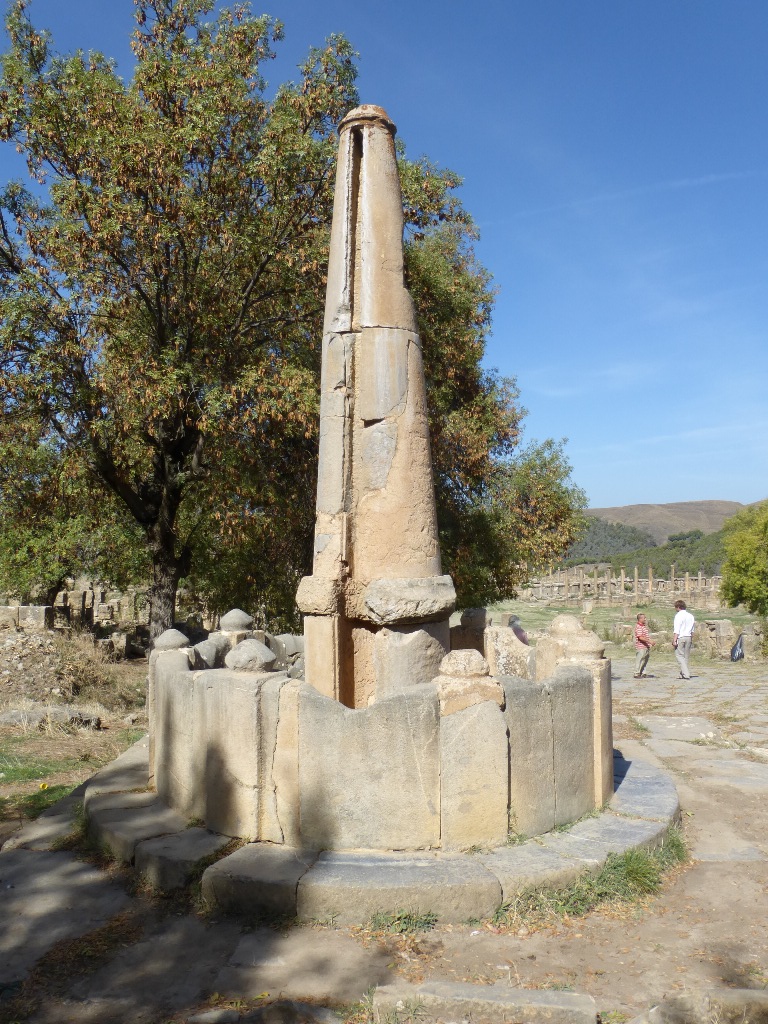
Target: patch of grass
x=30 y=805
x=638 y=725
x=15 y=768
x=402 y=922
x=127 y=737
x=624 y=878
x=363 y=1012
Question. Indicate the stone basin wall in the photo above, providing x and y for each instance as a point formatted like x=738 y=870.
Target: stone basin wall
x=266 y=757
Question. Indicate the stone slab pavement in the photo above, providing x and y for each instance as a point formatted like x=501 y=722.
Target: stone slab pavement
x=707 y=929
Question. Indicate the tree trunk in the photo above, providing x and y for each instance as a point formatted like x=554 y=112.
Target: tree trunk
x=167 y=570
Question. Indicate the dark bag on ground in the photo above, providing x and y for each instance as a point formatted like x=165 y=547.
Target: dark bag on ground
x=737 y=651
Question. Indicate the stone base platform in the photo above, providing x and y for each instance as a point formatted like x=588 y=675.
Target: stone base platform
x=266 y=880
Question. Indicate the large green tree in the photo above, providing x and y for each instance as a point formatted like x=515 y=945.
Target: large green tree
x=161 y=310
x=745 y=569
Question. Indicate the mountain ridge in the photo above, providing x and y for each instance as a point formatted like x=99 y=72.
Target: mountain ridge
x=661 y=520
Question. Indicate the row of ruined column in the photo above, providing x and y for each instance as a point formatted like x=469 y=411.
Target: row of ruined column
x=580 y=583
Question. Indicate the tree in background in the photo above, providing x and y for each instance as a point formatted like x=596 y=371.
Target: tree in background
x=745 y=569
x=161 y=319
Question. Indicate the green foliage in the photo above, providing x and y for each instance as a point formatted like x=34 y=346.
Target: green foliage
x=745 y=569
x=682 y=539
x=161 y=316
x=698 y=554
x=159 y=311
x=602 y=540
x=624 y=878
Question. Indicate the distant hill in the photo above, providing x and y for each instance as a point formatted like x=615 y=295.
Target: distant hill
x=678 y=517
x=602 y=540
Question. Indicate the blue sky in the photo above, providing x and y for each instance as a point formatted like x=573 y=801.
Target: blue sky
x=615 y=157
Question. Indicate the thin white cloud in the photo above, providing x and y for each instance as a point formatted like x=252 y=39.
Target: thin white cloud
x=730 y=433
x=642 y=190
x=582 y=380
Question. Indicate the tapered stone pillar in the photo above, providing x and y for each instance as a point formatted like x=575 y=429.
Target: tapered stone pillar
x=376 y=605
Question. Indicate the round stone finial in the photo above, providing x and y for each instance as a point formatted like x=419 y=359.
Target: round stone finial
x=564 y=625
x=367 y=113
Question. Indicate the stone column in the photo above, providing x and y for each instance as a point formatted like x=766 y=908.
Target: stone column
x=376 y=605
x=637 y=584
x=568 y=642
x=672 y=580
x=650 y=582
x=581 y=584
x=687 y=585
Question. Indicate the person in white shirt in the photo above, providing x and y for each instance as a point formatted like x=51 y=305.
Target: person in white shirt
x=683 y=629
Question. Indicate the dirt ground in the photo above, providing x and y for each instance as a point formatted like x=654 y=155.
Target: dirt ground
x=41 y=763
x=708 y=926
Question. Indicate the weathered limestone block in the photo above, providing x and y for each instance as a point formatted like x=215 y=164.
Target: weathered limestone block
x=239 y=718
x=322 y=653
x=719 y=636
x=476 y=618
x=284 y=775
x=350 y=887
x=474 y=778
x=571 y=690
x=458 y=694
x=470 y=635
x=251 y=656
x=569 y=643
x=464 y=664
x=269 y=827
x=292 y=644
x=318 y=595
x=464 y=680
x=370 y=778
x=222 y=643
x=528 y=716
x=169 y=862
x=551 y=740
x=410 y=600
x=506 y=655
x=408 y=656
x=602 y=726
x=175 y=719
x=257 y=879
x=168 y=662
x=9 y=616
x=35 y=616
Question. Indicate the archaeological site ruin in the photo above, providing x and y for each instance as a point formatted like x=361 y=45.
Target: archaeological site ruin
x=404 y=765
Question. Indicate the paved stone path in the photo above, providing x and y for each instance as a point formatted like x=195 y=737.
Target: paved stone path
x=708 y=928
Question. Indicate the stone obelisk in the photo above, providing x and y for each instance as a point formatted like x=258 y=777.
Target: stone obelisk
x=376 y=606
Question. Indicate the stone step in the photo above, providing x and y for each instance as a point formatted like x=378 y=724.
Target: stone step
x=482 y=1004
